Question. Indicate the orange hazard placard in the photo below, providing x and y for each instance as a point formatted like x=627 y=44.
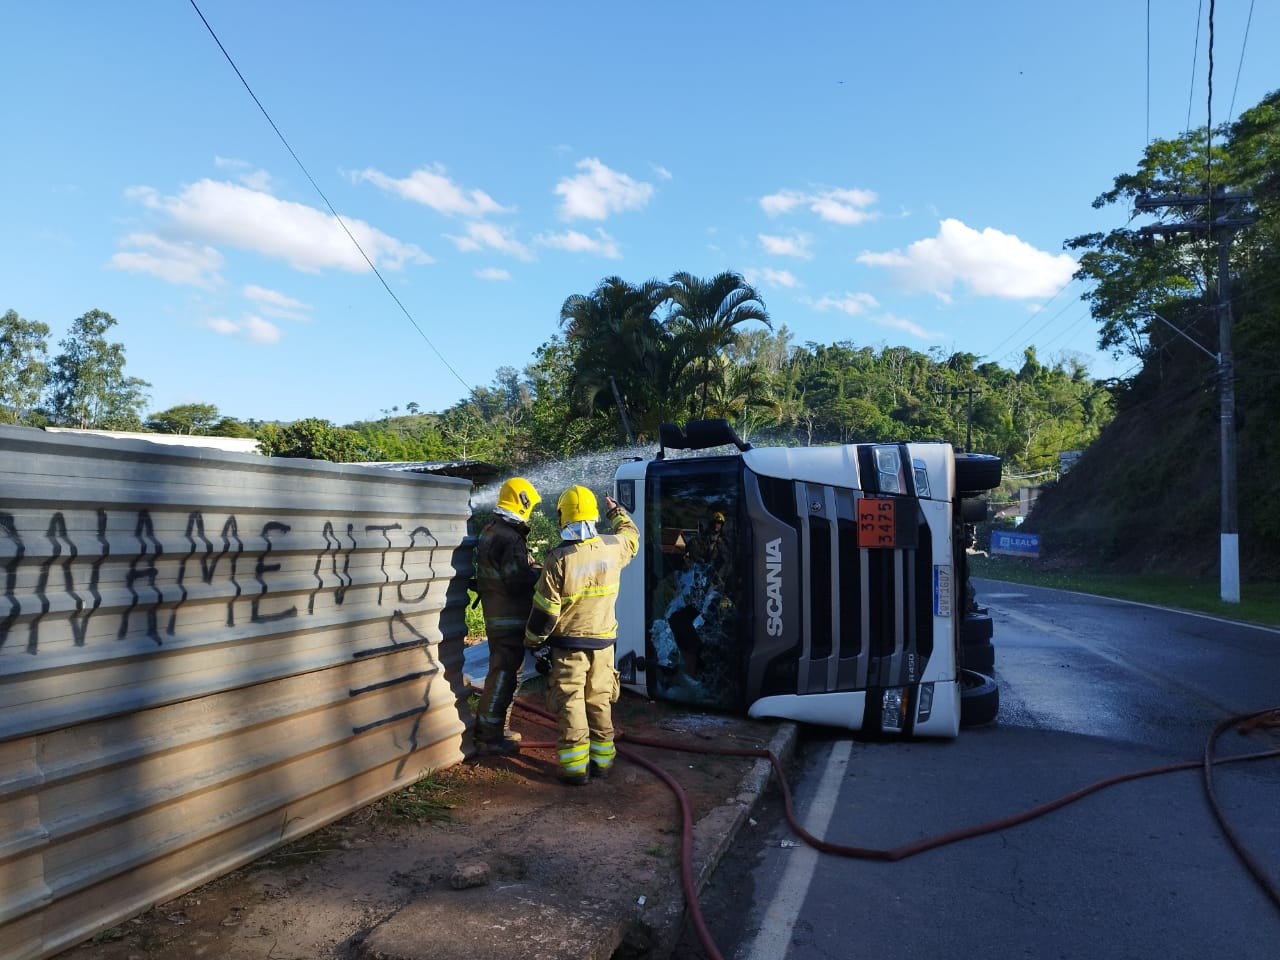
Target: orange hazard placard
x=877 y=522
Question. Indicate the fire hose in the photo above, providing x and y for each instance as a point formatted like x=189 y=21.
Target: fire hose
x=1245 y=724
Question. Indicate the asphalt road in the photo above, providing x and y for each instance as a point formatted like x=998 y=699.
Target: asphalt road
x=1090 y=689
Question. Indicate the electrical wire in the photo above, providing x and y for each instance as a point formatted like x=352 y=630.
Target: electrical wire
x=1148 y=140
x=1044 y=306
x=1208 y=126
x=1231 y=111
x=1195 y=56
x=301 y=166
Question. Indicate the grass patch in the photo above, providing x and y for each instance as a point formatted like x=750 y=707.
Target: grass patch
x=474 y=616
x=427 y=800
x=1259 y=601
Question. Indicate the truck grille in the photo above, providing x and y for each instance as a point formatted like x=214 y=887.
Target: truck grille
x=867 y=614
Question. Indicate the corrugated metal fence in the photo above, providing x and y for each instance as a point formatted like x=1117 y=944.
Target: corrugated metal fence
x=204 y=655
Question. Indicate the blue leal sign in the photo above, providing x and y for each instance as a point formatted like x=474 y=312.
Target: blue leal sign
x=1011 y=544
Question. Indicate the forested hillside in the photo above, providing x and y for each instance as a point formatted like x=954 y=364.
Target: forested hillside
x=1146 y=495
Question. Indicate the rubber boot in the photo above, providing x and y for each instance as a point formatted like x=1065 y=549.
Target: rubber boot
x=494 y=739
x=493 y=713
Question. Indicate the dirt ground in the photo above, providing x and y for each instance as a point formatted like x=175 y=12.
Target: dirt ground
x=469 y=841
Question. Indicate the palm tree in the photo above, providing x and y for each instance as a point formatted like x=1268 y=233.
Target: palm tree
x=705 y=315
x=742 y=393
x=620 y=342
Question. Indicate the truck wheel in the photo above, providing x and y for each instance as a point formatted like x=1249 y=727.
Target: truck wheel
x=975 y=629
x=980 y=657
x=973 y=510
x=977 y=472
x=979 y=698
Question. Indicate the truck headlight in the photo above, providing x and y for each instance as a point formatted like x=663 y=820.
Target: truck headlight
x=893 y=710
x=926 y=702
x=889 y=474
x=922 y=479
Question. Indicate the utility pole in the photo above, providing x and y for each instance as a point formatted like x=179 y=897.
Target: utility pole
x=1233 y=218
x=968 y=416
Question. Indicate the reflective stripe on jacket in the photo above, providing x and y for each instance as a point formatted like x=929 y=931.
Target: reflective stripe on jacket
x=573 y=603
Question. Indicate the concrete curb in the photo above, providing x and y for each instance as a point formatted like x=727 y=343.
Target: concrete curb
x=716 y=832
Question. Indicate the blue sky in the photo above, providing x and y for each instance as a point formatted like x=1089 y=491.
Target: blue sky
x=886 y=174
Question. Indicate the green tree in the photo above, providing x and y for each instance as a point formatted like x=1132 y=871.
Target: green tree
x=188 y=418
x=22 y=365
x=704 y=318
x=555 y=427
x=231 y=427
x=87 y=384
x=1134 y=276
x=620 y=342
x=314 y=439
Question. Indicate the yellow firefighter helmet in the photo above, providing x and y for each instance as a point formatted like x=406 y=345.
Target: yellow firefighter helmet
x=518 y=496
x=577 y=503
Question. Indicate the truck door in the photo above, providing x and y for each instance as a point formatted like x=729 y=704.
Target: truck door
x=697 y=599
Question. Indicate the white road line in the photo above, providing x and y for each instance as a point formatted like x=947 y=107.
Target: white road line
x=774 y=938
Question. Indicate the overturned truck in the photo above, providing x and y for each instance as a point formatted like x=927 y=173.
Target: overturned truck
x=827 y=585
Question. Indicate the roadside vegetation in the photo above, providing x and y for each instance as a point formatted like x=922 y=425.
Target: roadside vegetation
x=1259 y=601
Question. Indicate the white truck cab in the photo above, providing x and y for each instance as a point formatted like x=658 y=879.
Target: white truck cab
x=819 y=584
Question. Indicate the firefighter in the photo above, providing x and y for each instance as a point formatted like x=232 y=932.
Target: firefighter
x=711 y=548
x=505 y=575
x=573 y=612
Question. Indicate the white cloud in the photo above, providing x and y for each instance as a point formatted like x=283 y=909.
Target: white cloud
x=307 y=239
x=844 y=206
x=571 y=240
x=488 y=236
x=432 y=188
x=989 y=263
x=252 y=328
x=599 y=191
x=850 y=303
x=180 y=262
x=276 y=304
x=493 y=273
x=253 y=179
x=906 y=326
x=796 y=245
x=662 y=172
x=770 y=277
x=782 y=202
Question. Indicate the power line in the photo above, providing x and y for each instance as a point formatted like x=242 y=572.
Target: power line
x=1208 y=126
x=1231 y=112
x=1195 y=55
x=1035 y=313
x=301 y=166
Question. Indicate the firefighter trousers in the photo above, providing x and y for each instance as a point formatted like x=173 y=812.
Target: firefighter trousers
x=582 y=689
x=506 y=661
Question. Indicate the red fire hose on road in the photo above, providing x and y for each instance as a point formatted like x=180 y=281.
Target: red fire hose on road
x=1245 y=724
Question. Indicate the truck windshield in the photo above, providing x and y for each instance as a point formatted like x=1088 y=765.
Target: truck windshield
x=695 y=591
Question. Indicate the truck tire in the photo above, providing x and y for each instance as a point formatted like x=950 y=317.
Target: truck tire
x=976 y=473
x=979 y=657
x=979 y=698
x=976 y=628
